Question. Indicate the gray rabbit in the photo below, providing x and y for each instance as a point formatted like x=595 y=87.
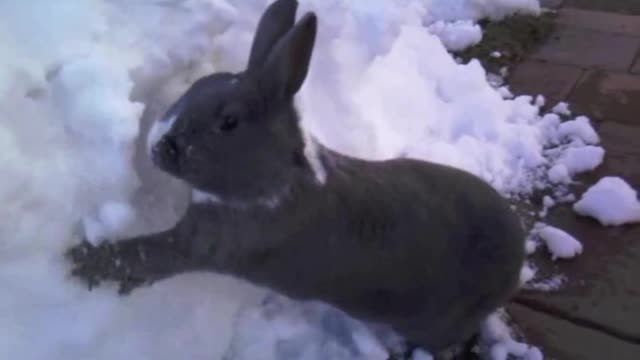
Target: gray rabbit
x=424 y=248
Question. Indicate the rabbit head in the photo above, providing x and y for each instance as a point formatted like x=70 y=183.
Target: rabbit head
x=237 y=135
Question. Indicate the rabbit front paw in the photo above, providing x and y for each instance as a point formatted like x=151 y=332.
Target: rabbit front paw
x=94 y=264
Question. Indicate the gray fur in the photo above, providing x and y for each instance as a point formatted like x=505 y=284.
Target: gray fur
x=425 y=248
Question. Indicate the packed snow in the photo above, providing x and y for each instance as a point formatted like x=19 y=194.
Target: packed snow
x=611 y=201
x=81 y=81
x=560 y=244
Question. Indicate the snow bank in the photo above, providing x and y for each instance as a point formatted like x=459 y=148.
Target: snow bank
x=611 y=201
x=73 y=79
x=80 y=79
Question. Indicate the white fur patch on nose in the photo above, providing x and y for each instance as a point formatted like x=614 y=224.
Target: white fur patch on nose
x=158 y=129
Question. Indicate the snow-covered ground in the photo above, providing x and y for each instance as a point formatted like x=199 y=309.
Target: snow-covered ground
x=80 y=82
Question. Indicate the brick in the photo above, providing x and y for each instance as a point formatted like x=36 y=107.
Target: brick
x=622 y=146
x=629 y=7
x=602 y=286
x=607 y=96
x=636 y=67
x=600 y=21
x=550 y=4
x=589 y=48
x=562 y=340
x=551 y=80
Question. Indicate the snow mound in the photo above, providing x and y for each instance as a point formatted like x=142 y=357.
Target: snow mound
x=560 y=244
x=611 y=201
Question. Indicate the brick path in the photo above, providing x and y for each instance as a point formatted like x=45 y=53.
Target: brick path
x=593 y=62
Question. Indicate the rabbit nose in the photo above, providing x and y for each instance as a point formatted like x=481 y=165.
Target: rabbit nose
x=171 y=146
x=168 y=148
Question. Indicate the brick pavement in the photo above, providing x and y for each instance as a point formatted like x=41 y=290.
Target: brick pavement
x=593 y=62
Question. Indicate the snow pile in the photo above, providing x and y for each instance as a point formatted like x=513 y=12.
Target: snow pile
x=559 y=243
x=79 y=79
x=611 y=201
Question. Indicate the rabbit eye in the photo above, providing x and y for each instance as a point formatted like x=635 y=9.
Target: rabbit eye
x=229 y=123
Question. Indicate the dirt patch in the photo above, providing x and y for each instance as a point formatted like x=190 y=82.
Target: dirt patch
x=509 y=41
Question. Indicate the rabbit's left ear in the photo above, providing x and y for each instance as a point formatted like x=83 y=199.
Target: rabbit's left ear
x=276 y=21
x=288 y=63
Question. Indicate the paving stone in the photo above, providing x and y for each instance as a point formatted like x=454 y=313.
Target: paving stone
x=589 y=48
x=601 y=21
x=629 y=7
x=551 y=4
x=636 y=66
x=562 y=340
x=622 y=145
x=608 y=97
x=551 y=80
x=602 y=290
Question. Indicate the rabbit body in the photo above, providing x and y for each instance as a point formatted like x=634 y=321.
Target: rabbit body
x=425 y=248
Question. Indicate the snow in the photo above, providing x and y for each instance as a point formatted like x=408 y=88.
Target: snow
x=562 y=108
x=611 y=201
x=82 y=80
x=301 y=330
x=527 y=274
x=547 y=204
x=531 y=246
x=582 y=159
x=552 y=283
x=559 y=174
x=457 y=35
x=112 y=219
x=560 y=244
x=579 y=128
x=419 y=354
x=496 y=334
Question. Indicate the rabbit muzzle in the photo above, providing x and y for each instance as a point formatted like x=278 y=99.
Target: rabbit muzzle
x=168 y=153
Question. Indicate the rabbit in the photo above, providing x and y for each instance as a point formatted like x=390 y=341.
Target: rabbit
x=426 y=249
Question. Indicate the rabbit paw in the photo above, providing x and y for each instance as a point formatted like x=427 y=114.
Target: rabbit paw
x=93 y=264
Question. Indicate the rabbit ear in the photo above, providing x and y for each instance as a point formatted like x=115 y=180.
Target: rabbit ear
x=288 y=64
x=274 y=24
